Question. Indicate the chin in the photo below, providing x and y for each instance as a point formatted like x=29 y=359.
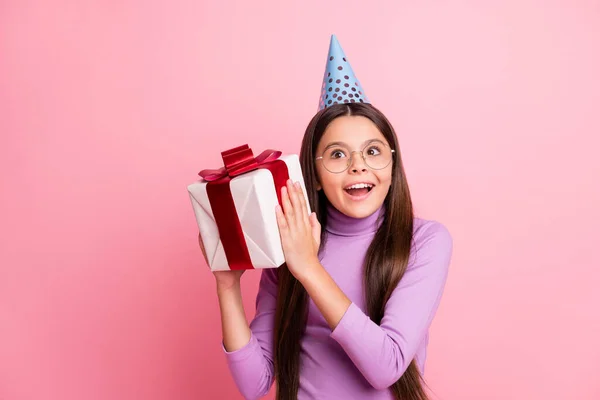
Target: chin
x=359 y=210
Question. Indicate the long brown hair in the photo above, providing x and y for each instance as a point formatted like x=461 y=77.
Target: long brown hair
x=385 y=262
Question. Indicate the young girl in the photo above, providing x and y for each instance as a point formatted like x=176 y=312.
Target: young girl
x=347 y=316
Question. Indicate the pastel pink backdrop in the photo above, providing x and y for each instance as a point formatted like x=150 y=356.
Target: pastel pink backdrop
x=109 y=109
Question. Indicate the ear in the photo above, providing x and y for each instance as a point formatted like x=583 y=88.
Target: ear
x=317 y=179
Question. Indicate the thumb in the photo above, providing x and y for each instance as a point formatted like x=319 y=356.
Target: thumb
x=315 y=227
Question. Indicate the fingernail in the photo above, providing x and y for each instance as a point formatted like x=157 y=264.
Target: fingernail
x=297 y=185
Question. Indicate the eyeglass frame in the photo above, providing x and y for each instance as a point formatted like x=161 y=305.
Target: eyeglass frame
x=362 y=155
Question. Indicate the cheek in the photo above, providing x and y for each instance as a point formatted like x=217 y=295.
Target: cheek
x=329 y=182
x=385 y=177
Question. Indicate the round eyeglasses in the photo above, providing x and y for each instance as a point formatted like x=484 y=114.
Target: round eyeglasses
x=337 y=158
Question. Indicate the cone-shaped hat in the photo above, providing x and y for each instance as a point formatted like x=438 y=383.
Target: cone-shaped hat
x=340 y=85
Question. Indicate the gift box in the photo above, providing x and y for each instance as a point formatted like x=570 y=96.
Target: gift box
x=235 y=208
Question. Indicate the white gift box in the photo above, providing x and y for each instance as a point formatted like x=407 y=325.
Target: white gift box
x=255 y=199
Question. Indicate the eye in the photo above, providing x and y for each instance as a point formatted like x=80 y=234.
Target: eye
x=373 y=150
x=336 y=154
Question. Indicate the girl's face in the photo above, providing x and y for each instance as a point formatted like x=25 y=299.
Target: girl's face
x=361 y=189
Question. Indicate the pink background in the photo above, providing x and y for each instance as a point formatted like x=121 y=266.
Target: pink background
x=109 y=109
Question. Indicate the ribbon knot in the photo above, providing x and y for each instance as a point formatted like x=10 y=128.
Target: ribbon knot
x=238 y=161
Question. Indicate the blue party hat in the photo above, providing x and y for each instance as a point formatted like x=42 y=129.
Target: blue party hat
x=340 y=85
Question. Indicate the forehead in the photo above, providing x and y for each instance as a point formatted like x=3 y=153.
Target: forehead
x=352 y=130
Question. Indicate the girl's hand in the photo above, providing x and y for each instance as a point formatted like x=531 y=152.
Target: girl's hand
x=225 y=279
x=300 y=233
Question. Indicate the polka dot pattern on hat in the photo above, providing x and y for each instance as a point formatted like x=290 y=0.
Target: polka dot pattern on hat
x=340 y=84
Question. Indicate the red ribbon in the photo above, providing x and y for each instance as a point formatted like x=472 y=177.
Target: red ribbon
x=238 y=161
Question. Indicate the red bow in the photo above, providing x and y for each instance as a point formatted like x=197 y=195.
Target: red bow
x=237 y=161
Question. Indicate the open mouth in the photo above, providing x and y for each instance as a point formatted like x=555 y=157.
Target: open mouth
x=359 y=189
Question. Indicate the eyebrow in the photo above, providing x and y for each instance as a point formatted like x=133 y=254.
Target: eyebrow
x=346 y=145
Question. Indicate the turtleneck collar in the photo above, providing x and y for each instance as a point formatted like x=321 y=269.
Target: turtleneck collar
x=340 y=224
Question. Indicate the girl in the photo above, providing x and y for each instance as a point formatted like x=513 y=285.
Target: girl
x=347 y=316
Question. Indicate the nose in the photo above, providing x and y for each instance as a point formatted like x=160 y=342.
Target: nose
x=357 y=163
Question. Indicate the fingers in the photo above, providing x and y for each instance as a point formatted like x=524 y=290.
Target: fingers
x=314 y=222
x=294 y=208
x=302 y=200
x=315 y=228
x=294 y=198
x=281 y=220
x=288 y=209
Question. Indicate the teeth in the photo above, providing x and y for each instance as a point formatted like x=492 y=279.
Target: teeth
x=360 y=186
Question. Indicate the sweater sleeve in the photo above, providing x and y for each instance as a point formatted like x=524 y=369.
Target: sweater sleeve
x=383 y=352
x=252 y=365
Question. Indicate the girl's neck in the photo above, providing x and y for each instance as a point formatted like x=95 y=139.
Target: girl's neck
x=340 y=224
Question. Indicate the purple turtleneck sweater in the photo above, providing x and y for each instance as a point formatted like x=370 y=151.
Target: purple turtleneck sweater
x=358 y=359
